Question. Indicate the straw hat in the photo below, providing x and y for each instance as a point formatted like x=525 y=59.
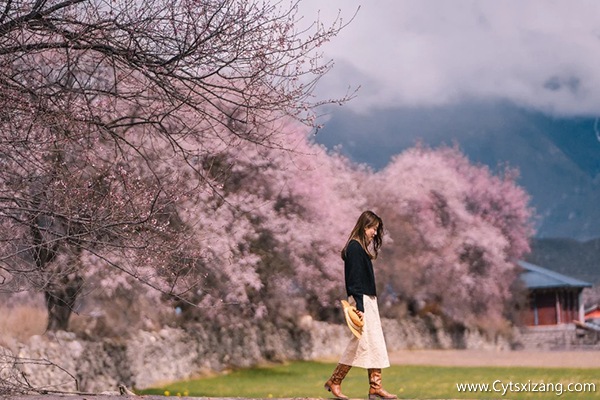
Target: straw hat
x=352 y=319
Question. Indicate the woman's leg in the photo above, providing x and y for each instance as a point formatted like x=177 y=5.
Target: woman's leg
x=376 y=391
x=334 y=384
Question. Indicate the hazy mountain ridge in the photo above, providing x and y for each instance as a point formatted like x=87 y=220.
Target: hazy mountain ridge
x=577 y=259
x=558 y=158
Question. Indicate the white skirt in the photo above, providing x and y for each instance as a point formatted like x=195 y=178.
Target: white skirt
x=370 y=350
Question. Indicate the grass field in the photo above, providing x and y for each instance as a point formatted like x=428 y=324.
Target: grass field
x=305 y=379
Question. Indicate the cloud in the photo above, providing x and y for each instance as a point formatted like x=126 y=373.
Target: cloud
x=539 y=54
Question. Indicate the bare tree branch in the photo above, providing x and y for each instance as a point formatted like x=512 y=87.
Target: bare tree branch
x=113 y=116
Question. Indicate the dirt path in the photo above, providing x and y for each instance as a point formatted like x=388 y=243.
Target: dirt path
x=521 y=358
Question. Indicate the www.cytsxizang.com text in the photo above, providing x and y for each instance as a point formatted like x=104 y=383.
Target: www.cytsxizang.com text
x=499 y=386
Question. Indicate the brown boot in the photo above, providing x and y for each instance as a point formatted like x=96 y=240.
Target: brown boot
x=334 y=383
x=376 y=391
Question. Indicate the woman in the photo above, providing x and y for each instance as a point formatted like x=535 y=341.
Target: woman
x=369 y=351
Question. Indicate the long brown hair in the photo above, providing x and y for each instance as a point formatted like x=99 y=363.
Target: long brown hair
x=366 y=220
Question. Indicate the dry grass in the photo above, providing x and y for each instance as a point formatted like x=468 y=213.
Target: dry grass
x=20 y=322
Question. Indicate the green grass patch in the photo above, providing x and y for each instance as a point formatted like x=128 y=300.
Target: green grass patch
x=306 y=379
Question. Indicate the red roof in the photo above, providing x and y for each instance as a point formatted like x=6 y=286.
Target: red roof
x=592 y=312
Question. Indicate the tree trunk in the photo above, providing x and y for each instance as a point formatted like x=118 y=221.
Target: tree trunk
x=60 y=300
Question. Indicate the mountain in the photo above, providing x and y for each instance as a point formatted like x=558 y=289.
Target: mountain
x=570 y=257
x=558 y=158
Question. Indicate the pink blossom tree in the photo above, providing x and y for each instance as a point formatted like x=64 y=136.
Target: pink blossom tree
x=112 y=118
x=294 y=206
x=456 y=232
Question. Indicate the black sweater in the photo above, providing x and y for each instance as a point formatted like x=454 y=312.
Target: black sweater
x=358 y=271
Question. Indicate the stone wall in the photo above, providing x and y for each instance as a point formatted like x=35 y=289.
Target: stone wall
x=557 y=337
x=67 y=363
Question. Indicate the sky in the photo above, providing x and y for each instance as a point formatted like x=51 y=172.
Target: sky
x=511 y=81
x=540 y=54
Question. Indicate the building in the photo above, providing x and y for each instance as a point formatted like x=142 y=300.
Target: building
x=593 y=313
x=554 y=298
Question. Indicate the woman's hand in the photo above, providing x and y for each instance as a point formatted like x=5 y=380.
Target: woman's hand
x=359 y=313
